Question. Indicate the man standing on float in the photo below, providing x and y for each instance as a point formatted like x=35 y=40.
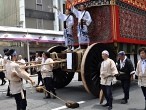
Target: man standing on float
x=84 y=20
x=68 y=20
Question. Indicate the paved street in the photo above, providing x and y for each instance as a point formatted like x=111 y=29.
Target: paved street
x=74 y=91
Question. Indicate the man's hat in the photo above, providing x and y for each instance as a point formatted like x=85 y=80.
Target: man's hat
x=122 y=53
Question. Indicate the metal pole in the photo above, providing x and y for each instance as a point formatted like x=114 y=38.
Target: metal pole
x=28 y=51
x=28 y=54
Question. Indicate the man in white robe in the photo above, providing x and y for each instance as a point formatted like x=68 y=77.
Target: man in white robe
x=108 y=71
x=68 y=21
x=84 y=20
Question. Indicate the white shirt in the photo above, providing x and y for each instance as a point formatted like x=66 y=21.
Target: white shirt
x=80 y=15
x=143 y=65
x=1 y=61
x=43 y=60
x=22 y=61
x=15 y=74
x=46 y=70
x=107 y=71
x=5 y=59
x=122 y=63
x=38 y=61
x=68 y=18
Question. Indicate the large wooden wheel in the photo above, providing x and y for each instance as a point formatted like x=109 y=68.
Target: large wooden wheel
x=61 y=78
x=90 y=67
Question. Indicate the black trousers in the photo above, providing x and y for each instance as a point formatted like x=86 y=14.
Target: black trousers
x=126 y=88
x=8 y=90
x=107 y=91
x=21 y=103
x=2 y=77
x=49 y=84
x=40 y=79
x=144 y=91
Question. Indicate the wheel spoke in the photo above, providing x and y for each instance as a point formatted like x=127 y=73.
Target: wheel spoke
x=61 y=78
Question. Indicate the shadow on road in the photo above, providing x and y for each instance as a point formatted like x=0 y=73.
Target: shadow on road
x=99 y=107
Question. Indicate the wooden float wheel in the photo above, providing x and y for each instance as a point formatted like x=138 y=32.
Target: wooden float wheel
x=90 y=66
x=61 y=78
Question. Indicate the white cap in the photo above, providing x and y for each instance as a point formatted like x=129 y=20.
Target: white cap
x=105 y=52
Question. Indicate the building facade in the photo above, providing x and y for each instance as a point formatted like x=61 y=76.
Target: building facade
x=36 y=14
x=9 y=12
x=30 y=14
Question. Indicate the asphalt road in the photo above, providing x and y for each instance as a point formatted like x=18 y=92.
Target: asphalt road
x=76 y=92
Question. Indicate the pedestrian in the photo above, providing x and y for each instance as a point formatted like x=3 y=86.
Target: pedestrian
x=108 y=71
x=15 y=75
x=21 y=60
x=38 y=60
x=126 y=71
x=141 y=72
x=47 y=74
x=2 y=74
x=84 y=20
x=9 y=94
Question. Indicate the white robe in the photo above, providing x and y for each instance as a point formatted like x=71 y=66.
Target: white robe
x=82 y=32
x=107 y=72
x=141 y=74
x=68 y=31
x=80 y=15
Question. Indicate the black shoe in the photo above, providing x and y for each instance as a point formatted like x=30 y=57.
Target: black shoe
x=47 y=97
x=124 y=102
x=9 y=95
x=105 y=105
x=109 y=108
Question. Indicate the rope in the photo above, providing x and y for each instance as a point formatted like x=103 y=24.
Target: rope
x=54 y=95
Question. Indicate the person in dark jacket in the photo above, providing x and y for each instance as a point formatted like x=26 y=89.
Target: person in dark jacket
x=126 y=71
